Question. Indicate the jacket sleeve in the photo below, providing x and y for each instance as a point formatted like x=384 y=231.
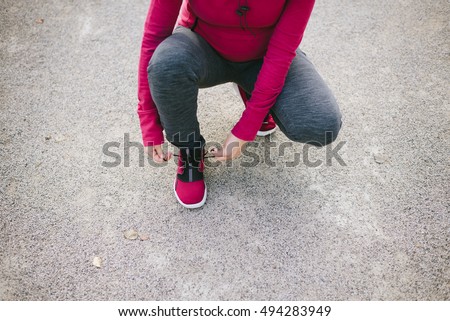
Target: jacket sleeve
x=281 y=50
x=159 y=24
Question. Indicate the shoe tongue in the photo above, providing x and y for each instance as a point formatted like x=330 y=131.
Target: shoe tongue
x=192 y=155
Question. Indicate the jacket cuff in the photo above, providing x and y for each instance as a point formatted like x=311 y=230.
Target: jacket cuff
x=152 y=131
x=249 y=124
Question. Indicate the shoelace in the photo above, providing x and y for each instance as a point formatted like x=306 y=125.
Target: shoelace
x=178 y=155
x=211 y=156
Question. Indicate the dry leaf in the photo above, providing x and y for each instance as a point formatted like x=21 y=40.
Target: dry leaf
x=144 y=237
x=131 y=234
x=40 y=21
x=59 y=138
x=97 y=262
x=380 y=158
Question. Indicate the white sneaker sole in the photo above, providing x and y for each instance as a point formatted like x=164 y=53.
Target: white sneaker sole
x=265 y=133
x=197 y=205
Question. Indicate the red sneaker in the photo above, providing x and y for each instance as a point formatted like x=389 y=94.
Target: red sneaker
x=189 y=185
x=268 y=126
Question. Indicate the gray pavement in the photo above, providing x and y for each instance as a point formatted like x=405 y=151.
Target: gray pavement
x=375 y=229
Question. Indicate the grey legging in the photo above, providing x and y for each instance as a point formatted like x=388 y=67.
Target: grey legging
x=306 y=110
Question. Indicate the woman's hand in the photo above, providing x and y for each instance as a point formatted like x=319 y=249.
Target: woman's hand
x=231 y=148
x=158 y=155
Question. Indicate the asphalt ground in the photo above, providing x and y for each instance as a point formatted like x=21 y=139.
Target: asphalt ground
x=372 y=223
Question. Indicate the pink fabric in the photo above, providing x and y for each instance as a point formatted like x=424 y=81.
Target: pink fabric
x=273 y=30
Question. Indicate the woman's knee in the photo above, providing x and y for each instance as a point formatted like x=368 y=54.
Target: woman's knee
x=320 y=131
x=170 y=66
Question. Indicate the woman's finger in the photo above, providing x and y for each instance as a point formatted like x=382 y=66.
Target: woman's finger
x=167 y=156
x=157 y=154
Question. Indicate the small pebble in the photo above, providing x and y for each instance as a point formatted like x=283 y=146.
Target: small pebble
x=97 y=262
x=143 y=237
